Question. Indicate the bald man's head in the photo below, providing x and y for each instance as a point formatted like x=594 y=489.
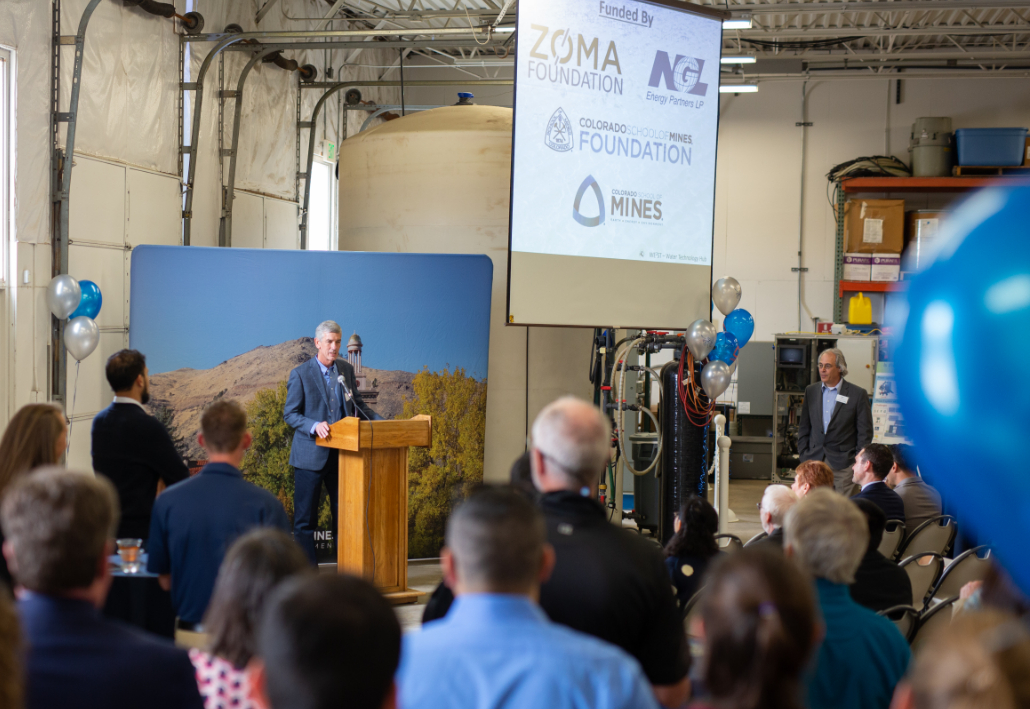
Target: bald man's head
x=574 y=438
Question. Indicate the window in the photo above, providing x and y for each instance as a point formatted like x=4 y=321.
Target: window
x=322 y=207
x=6 y=162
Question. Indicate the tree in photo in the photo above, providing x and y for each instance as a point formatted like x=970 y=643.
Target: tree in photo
x=267 y=461
x=446 y=472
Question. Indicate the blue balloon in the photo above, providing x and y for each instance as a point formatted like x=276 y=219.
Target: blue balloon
x=964 y=408
x=725 y=348
x=91 y=301
x=741 y=324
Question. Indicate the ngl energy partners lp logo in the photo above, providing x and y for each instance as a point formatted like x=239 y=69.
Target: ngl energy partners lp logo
x=558 y=135
x=682 y=74
x=626 y=205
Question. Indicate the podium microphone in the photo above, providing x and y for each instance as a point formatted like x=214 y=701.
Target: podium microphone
x=350 y=397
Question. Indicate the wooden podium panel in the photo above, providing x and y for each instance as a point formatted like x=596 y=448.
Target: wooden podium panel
x=372 y=539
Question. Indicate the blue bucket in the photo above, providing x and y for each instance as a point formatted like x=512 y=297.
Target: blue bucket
x=995 y=147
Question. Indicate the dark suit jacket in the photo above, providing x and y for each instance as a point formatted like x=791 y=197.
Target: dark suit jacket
x=880 y=583
x=77 y=658
x=883 y=497
x=850 y=429
x=307 y=403
x=133 y=450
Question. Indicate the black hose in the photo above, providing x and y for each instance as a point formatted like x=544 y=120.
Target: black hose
x=161 y=9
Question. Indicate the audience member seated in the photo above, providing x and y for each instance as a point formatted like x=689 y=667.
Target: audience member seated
x=692 y=547
x=254 y=565
x=59 y=526
x=862 y=655
x=776 y=502
x=981 y=659
x=760 y=628
x=921 y=501
x=496 y=648
x=607 y=582
x=195 y=522
x=131 y=447
x=325 y=642
x=10 y=655
x=35 y=437
x=810 y=475
x=872 y=464
x=879 y=582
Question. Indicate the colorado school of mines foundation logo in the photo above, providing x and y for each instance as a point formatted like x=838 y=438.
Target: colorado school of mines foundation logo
x=558 y=135
x=589 y=183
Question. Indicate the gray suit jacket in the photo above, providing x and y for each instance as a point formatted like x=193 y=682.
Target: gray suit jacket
x=307 y=403
x=921 y=501
x=850 y=429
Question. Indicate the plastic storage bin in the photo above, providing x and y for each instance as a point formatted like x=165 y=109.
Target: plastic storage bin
x=1002 y=147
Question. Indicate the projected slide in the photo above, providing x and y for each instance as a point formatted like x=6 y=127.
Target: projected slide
x=616 y=116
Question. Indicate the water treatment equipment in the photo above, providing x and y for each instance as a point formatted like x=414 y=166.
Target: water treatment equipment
x=439 y=182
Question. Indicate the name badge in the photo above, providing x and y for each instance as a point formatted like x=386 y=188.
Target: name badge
x=842 y=399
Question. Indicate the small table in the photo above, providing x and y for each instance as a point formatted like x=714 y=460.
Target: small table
x=139 y=600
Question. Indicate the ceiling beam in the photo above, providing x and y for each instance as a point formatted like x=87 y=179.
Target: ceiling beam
x=823 y=8
x=774 y=33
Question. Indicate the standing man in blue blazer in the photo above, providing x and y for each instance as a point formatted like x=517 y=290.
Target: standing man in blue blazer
x=319 y=393
x=836 y=421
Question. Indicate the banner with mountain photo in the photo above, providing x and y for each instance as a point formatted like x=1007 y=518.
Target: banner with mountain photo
x=231 y=323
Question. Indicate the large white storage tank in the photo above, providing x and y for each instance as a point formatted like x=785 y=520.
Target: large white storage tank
x=438 y=181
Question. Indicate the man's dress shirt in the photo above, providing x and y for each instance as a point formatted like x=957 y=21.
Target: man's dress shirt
x=829 y=401
x=500 y=650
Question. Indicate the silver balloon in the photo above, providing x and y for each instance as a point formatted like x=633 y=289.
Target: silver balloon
x=81 y=337
x=63 y=296
x=700 y=338
x=715 y=378
x=726 y=294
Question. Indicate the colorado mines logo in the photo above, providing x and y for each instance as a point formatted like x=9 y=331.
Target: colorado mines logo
x=591 y=184
x=558 y=135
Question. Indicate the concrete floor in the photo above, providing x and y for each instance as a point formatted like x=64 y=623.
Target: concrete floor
x=744 y=496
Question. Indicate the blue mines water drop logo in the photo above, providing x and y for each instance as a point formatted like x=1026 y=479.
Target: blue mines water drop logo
x=589 y=221
x=559 y=132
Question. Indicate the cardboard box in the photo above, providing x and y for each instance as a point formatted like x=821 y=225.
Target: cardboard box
x=874 y=226
x=921 y=229
x=857 y=267
x=885 y=267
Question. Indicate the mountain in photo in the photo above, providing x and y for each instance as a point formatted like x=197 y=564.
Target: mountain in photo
x=178 y=397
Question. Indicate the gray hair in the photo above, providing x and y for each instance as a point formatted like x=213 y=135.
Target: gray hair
x=576 y=437
x=326 y=327
x=777 y=501
x=842 y=363
x=497 y=537
x=828 y=535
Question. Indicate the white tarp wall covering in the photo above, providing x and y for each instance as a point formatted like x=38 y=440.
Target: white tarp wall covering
x=126 y=186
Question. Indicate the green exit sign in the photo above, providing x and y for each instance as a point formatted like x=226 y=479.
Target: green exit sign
x=329 y=150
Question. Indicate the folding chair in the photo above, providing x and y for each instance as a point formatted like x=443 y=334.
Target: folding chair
x=930 y=620
x=893 y=534
x=968 y=566
x=729 y=543
x=923 y=571
x=936 y=534
x=757 y=538
x=690 y=610
x=905 y=618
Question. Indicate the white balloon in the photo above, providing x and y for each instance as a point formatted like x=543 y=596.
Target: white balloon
x=81 y=337
x=63 y=295
x=715 y=378
x=700 y=338
x=726 y=294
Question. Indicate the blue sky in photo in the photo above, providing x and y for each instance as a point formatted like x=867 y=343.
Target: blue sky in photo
x=196 y=307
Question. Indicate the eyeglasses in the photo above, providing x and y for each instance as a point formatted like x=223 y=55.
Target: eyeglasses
x=826 y=366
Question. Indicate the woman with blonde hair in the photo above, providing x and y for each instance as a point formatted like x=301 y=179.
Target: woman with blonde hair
x=35 y=437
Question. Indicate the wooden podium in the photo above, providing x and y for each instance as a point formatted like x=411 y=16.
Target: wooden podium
x=372 y=540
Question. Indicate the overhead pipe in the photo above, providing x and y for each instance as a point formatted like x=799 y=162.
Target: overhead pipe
x=226 y=41
x=350 y=84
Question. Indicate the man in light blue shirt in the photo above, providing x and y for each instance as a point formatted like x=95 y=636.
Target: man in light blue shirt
x=496 y=647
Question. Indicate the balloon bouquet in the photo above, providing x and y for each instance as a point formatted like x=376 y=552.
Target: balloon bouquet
x=720 y=348
x=79 y=303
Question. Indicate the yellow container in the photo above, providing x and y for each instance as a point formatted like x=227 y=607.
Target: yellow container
x=860 y=310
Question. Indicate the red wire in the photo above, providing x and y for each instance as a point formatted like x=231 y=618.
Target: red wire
x=699 y=415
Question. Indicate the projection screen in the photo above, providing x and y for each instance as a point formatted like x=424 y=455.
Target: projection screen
x=613 y=163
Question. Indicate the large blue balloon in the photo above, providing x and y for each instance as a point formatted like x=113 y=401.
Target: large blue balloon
x=725 y=348
x=91 y=301
x=967 y=407
x=740 y=323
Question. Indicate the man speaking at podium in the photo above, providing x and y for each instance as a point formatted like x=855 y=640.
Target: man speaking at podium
x=319 y=393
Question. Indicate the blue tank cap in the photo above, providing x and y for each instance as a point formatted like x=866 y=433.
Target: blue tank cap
x=465 y=94
x=464 y=99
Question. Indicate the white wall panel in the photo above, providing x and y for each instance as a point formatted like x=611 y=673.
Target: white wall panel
x=281 y=229
x=104 y=266
x=155 y=209
x=248 y=221
x=97 y=211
